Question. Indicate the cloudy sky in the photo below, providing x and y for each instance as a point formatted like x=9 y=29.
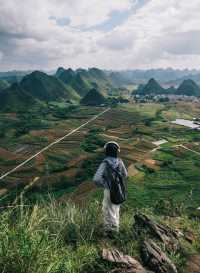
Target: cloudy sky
x=110 y=34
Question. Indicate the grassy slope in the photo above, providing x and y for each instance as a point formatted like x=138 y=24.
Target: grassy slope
x=64 y=238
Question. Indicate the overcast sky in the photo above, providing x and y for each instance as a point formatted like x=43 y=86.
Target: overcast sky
x=110 y=34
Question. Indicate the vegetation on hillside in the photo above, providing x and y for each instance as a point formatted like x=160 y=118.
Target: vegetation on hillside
x=62 y=237
x=188 y=88
x=3 y=84
x=93 y=98
x=15 y=98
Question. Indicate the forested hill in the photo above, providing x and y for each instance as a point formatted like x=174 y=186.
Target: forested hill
x=187 y=88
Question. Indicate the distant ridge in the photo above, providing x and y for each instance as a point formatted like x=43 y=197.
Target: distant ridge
x=83 y=80
x=73 y=80
x=187 y=87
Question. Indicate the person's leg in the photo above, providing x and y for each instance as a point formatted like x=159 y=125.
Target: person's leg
x=117 y=216
x=110 y=213
x=105 y=208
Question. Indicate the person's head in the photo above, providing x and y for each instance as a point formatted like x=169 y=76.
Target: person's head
x=112 y=148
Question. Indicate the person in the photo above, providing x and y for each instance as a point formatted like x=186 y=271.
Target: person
x=101 y=178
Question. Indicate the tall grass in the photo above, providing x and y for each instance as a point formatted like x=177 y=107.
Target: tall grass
x=62 y=238
x=53 y=238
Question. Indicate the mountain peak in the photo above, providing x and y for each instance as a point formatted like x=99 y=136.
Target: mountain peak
x=93 y=98
x=189 y=88
x=152 y=87
x=44 y=87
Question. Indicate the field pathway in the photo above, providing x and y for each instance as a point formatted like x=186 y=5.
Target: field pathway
x=186 y=148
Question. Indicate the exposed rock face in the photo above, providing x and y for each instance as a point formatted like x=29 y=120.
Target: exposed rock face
x=165 y=234
x=124 y=263
x=155 y=259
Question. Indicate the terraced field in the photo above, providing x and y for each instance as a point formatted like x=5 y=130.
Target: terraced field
x=70 y=164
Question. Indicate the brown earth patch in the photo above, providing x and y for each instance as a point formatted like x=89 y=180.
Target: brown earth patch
x=12 y=115
x=132 y=171
x=71 y=173
x=39 y=162
x=193 y=264
x=80 y=195
x=54 y=179
x=5 y=154
x=151 y=163
x=49 y=134
x=74 y=162
x=3 y=191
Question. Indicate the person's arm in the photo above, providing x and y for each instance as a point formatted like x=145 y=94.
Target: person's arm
x=98 y=177
x=124 y=170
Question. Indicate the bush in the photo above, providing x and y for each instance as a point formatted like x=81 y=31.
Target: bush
x=92 y=142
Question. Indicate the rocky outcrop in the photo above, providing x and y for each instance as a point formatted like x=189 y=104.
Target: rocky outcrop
x=155 y=259
x=168 y=236
x=124 y=263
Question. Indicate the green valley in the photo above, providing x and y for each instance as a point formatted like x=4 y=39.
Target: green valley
x=53 y=199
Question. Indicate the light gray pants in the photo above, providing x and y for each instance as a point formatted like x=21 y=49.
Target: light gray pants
x=110 y=213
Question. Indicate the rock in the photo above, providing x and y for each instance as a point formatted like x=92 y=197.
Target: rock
x=126 y=264
x=190 y=236
x=143 y=224
x=155 y=259
x=193 y=265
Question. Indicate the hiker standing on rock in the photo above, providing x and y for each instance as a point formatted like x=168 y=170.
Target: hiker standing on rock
x=110 y=175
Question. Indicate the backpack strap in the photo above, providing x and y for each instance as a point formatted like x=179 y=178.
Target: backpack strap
x=113 y=169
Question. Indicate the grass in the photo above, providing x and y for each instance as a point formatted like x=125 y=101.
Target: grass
x=54 y=237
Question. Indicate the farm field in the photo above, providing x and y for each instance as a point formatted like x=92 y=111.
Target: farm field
x=155 y=171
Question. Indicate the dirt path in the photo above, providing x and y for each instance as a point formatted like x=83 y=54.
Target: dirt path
x=186 y=148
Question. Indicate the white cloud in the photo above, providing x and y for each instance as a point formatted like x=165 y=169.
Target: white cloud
x=160 y=33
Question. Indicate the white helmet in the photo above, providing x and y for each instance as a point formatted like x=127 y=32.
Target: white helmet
x=112 y=142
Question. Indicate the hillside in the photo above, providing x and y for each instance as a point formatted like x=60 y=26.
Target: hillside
x=73 y=80
x=15 y=98
x=63 y=237
x=152 y=87
x=45 y=87
x=179 y=80
x=188 y=88
x=3 y=84
x=82 y=80
x=93 y=98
